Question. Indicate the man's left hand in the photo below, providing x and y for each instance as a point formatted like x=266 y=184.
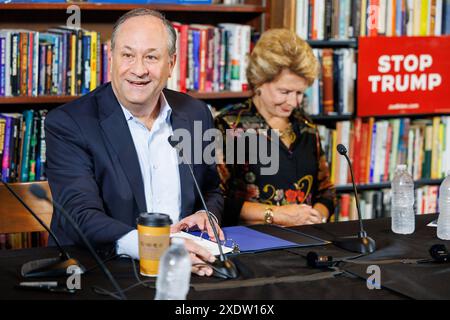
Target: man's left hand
x=199 y=219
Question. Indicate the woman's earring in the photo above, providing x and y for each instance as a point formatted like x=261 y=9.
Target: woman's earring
x=258 y=92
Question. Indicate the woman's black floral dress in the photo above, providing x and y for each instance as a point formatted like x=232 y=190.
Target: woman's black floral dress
x=303 y=174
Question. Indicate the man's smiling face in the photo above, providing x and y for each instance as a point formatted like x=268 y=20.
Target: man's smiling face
x=140 y=62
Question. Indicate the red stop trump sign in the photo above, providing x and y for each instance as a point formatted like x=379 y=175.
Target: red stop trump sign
x=403 y=75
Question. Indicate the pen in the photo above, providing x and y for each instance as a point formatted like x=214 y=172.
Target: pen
x=39 y=284
x=50 y=286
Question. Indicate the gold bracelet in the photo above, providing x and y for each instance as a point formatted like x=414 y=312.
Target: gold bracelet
x=268 y=215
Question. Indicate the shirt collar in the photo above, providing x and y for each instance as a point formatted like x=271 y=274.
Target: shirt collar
x=164 y=112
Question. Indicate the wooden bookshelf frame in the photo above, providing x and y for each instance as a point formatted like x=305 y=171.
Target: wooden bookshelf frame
x=64 y=99
x=242 y=8
x=334 y=43
x=256 y=13
x=332 y=118
x=384 y=185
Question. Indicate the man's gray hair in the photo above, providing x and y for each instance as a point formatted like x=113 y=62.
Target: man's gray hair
x=139 y=12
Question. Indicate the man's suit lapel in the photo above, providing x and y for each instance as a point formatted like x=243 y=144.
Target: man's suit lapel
x=180 y=120
x=115 y=127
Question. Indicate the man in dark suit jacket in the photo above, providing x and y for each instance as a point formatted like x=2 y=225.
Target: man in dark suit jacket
x=93 y=166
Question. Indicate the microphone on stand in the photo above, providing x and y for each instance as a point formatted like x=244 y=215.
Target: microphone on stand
x=40 y=193
x=223 y=268
x=361 y=242
x=49 y=267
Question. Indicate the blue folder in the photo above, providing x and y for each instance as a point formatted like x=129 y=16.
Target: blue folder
x=259 y=238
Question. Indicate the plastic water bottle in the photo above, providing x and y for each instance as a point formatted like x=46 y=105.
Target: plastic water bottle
x=443 y=225
x=402 y=201
x=174 y=273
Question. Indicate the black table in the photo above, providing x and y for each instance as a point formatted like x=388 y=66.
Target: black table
x=279 y=274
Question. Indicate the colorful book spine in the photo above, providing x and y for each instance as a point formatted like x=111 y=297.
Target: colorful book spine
x=73 y=64
x=86 y=80
x=42 y=69
x=363 y=31
x=446 y=18
x=441 y=148
x=30 y=68
x=33 y=149
x=93 y=61
x=398 y=17
x=23 y=76
x=435 y=149
x=190 y=61
x=2 y=65
x=210 y=51
x=35 y=64
x=49 y=68
x=364 y=153
x=13 y=156
x=6 y=149
x=426 y=168
x=2 y=139
x=387 y=157
x=333 y=155
x=424 y=18
x=203 y=57
x=28 y=118
x=328 y=83
x=41 y=158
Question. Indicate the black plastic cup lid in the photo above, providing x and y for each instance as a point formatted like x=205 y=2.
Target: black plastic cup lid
x=154 y=219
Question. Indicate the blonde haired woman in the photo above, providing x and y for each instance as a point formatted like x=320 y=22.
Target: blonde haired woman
x=281 y=67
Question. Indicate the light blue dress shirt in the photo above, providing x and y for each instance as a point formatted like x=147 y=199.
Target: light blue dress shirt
x=158 y=162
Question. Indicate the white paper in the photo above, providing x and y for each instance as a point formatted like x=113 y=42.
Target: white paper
x=432 y=224
x=207 y=244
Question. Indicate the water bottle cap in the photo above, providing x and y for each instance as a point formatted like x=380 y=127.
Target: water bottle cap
x=177 y=240
x=401 y=167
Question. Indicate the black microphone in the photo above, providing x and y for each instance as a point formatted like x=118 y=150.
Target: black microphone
x=50 y=267
x=361 y=242
x=223 y=268
x=40 y=193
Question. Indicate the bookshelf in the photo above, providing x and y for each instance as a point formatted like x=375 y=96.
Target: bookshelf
x=330 y=121
x=331 y=118
x=100 y=17
x=326 y=27
x=385 y=185
x=42 y=100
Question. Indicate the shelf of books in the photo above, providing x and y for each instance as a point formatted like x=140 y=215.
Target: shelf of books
x=383 y=185
x=377 y=203
x=23 y=240
x=332 y=95
x=63 y=62
x=330 y=118
x=376 y=145
x=348 y=19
